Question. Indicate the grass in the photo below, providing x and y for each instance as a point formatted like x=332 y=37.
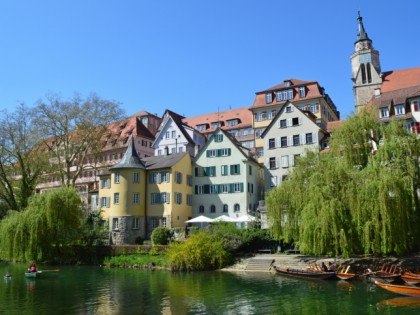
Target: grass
x=138 y=259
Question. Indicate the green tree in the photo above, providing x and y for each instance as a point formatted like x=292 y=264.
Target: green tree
x=51 y=220
x=350 y=200
x=72 y=130
x=160 y=236
x=20 y=164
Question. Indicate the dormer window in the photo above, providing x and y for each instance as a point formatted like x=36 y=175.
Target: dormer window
x=232 y=122
x=399 y=110
x=268 y=97
x=215 y=125
x=286 y=83
x=384 y=112
x=302 y=92
x=201 y=127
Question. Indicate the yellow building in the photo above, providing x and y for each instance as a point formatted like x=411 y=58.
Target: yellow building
x=137 y=195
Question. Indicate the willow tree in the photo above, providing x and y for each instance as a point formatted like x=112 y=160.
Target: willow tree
x=51 y=220
x=351 y=200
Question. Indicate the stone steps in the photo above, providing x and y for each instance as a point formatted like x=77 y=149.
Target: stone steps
x=266 y=262
x=259 y=264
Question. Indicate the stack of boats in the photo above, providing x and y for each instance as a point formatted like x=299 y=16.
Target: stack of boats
x=384 y=278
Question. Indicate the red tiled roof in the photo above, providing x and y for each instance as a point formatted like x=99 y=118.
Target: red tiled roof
x=332 y=125
x=399 y=79
x=243 y=114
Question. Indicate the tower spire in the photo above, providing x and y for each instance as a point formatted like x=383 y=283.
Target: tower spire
x=361 y=33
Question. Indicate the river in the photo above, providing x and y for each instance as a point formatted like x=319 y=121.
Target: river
x=96 y=290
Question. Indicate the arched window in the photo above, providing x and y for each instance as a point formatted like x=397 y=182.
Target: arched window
x=369 y=74
x=201 y=209
x=237 y=207
x=212 y=208
x=362 y=67
x=225 y=208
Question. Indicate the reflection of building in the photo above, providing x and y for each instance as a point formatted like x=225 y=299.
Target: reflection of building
x=305 y=95
x=225 y=178
x=138 y=195
x=237 y=122
x=141 y=126
x=396 y=93
x=290 y=134
x=176 y=136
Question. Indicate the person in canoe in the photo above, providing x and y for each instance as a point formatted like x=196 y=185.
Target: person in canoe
x=324 y=267
x=331 y=267
x=32 y=268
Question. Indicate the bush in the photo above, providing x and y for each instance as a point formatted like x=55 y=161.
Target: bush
x=160 y=236
x=202 y=251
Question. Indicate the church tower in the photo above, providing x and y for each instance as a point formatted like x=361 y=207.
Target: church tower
x=366 y=68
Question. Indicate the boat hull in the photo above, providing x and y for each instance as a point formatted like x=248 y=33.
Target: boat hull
x=400 y=289
x=308 y=274
x=346 y=276
x=31 y=274
x=411 y=278
x=383 y=276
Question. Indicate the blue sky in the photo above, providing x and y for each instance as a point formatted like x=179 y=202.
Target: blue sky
x=193 y=57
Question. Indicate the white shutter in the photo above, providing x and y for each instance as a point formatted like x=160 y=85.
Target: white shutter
x=277 y=162
x=303 y=139
x=300 y=120
x=278 y=142
x=289 y=141
x=289 y=122
x=278 y=123
x=315 y=138
x=108 y=202
x=292 y=160
x=285 y=161
x=168 y=198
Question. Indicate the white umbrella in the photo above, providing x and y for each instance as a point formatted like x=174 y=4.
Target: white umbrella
x=245 y=218
x=224 y=218
x=199 y=219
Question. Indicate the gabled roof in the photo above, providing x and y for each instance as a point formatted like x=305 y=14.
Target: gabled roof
x=395 y=97
x=243 y=114
x=130 y=158
x=293 y=83
x=177 y=119
x=163 y=161
x=400 y=79
x=245 y=151
x=309 y=115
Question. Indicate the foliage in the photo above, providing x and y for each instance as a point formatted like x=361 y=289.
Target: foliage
x=20 y=164
x=201 y=251
x=349 y=200
x=72 y=130
x=160 y=236
x=137 y=259
x=50 y=220
x=94 y=231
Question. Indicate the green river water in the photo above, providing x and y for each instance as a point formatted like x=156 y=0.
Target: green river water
x=96 y=290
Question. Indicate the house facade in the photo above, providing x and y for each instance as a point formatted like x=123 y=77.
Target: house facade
x=175 y=136
x=225 y=178
x=138 y=195
x=289 y=136
x=306 y=95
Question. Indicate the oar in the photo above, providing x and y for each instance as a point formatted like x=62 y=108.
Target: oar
x=53 y=270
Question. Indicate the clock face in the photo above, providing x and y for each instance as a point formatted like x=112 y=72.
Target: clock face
x=364 y=58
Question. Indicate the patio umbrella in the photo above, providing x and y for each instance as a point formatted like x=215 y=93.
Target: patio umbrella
x=245 y=218
x=199 y=219
x=224 y=218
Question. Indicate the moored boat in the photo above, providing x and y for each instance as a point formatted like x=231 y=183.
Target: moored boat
x=411 y=278
x=400 y=289
x=309 y=274
x=345 y=276
x=384 y=276
x=32 y=274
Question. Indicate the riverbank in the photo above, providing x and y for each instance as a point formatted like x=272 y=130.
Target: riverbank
x=358 y=264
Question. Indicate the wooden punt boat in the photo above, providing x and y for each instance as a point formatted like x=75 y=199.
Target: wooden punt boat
x=309 y=274
x=411 y=278
x=345 y=276
x=384 y=276
x=400 y=289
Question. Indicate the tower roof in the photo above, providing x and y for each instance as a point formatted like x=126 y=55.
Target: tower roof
x=130 y=158
x=361 y=33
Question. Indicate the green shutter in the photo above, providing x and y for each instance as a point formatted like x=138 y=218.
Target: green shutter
x=206 y=189
x=242 y=187
x=229 y=151
x=196 y=189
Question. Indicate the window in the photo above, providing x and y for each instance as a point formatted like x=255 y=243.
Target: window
x=415 y=106
x=272 y=163
x=278 y=96
x=164 y=197
x=115 y=224
x=302 y=91
x=295 y=121
x=164 y=177
x=136 y=198
x=201 y=209
x=116 y=198
x=105 y=183
x=136 y=177
x=201 y=127
x=173 y=150
x=399 y=110
x=224 y=152
x=259 y=116
x=249 y=169
x=384 y=112
x=283 y=141
x=235 y=169
x=136 y=223
x=189 y=200
x=269 y=115
x=159 y=152
x=215 y=125
x=232 y=122
x=199 y=189
x=155 y=198
x=211 y=153
x=260 y=152
x=154 y=222
x=238 y=187
x=224 y=170
x=212 y=208
x=173 y=134
x=178 y=198
x=218 y=138
x=289 y=109
x=290 y=94
x=308 y=138
x=268 y=97
x=163 y=222
x=167 y=135
x=224 y=189
x=236 y=207
x=225 y=208
x=285 y=161
x=283 y=123
x=296 y=140
x=178 y=177
x=314 y=108
x=189 y=180
x=116 y=178
x=105 y=202
x=271 y=143
x=213 y=189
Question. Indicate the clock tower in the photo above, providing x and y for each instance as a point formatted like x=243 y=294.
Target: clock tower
x=366 y=68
